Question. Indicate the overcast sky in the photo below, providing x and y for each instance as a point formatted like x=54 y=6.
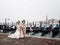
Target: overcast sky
x=31 y=10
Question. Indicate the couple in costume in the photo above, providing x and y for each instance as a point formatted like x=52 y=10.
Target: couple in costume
x=20 y=31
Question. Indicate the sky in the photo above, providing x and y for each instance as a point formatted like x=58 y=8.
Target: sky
x=30 y=10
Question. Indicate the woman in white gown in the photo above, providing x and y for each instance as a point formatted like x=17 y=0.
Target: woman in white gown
x=19 y=32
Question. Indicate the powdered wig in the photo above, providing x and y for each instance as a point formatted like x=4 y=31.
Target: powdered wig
x=18 y=22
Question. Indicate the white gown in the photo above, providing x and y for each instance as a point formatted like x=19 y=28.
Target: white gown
x=16 y=35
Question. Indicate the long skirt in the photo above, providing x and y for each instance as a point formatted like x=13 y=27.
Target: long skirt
x=17 y=35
